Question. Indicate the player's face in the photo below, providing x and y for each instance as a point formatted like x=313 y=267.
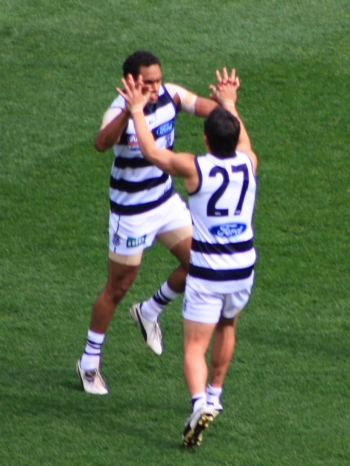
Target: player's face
x=152 y=79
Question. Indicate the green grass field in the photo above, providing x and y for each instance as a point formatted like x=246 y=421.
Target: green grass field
x=287 y=392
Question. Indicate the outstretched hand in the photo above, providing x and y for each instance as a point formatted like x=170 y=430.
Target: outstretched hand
x=132 y=93
x=225 y=91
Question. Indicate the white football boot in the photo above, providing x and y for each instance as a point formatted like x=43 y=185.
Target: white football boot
x=196 y=424
x=91 y=381
x=216 y=405
x=151 y=332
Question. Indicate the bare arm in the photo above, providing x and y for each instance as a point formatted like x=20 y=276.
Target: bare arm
x=189 y=102
x=204 y=106
x=177 y=164
x=225 y=92
x=243 y=144
x=110 y=133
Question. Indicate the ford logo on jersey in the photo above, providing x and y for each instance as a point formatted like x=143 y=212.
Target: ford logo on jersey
x=228 y=230
x=164 y=129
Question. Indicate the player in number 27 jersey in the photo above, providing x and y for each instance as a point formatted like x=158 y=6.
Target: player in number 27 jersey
x=221 y=186
x=222 y=252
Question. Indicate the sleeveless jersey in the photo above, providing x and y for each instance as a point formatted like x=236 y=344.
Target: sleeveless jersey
x=222 y=252
x=136 y=185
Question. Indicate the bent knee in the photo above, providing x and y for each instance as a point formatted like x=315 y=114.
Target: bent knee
x=116 y=293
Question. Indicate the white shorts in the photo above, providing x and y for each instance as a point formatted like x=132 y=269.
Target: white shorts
x=129 y=235
x=207 y=307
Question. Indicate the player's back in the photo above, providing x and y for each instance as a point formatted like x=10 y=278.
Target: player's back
x=222 y=210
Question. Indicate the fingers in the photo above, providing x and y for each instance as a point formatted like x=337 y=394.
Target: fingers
x=131 y=87
x=121 y=93
x=139 y=79
x=125 y=92
x=232 y=79
x=129 y=82
x=218 y=77
x=225 y=78
x=225 y=91
x=133 y=94
x=233 y=75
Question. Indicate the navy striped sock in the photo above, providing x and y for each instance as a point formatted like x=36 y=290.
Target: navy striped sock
x=92 y=354
x=155 y=305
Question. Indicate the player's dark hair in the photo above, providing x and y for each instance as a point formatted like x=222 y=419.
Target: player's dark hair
x=133 y=62
x=222 y=130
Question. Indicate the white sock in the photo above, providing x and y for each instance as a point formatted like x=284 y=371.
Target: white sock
x=198 y=401
x=90 y=359
x=155 y=305
x=213 y=394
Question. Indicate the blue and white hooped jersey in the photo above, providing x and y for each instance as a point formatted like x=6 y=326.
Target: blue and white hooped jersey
x=136 y=185
x=222 y=208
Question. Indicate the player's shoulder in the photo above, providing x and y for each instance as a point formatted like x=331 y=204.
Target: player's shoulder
x=184 y=99
x=113 y=111
x=250 y=155
x=118 y=102
x=171 y=88
x=174 y=88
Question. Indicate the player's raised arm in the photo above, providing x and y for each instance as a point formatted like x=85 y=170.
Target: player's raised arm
x=177 y=164
x=225 y=93
x=204 y=106
x=113 y=125
x=189 y=102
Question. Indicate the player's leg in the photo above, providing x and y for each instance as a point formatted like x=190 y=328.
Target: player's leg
x=201 y=312
x=175 y=284
x=181 y=250
x=175 y=233
x=221 y=355
x=146 y=313
x=120 y=278
x=222 y=350
x=224 y=344
x=196 y=341
x=127 y=240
